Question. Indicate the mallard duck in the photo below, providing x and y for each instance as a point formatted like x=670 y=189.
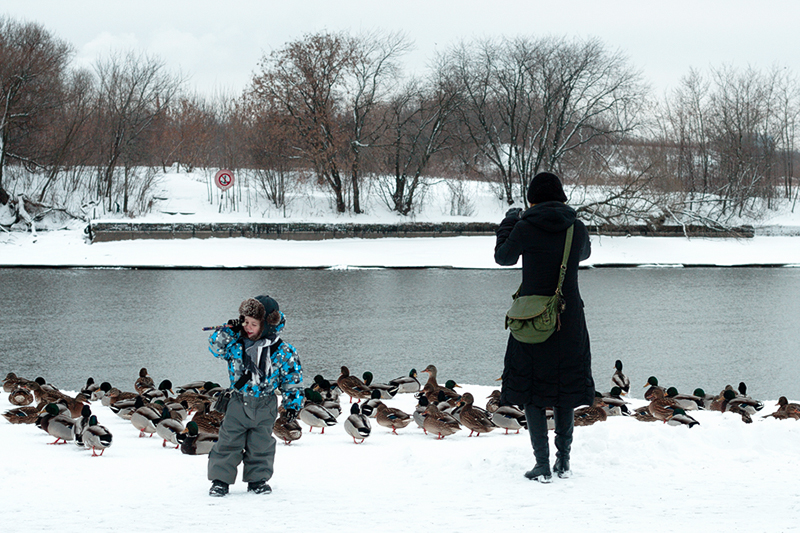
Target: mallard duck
x=58 y=424
x=144 y=381
x=475 y=420
x=406 y=384
x=357 y=425
x=661 y=406
x=586 y=416
x=352 y=386
x=208 y=421
x=195 y=401
x=748 y=404
x=785 y=410
x=20 y=397
x=100 y=394
x=419 y=412
x=12 y=382
x=652 y=383
x=168 y=428
x=432 y=387
x=286 y=430
x=493 y=403
x=22 y=415
x=90 y=387
x=705 y=399
x=509 y=417
x=96 y=437
x=192 y=442
x=439 y=423
x=616 y=406
x=725 y=404
x=178 y=410
x=81 y=423
x=687 y=402
x=115 y=395
x=369 y=407
x=314 y=414
x=145 y=417
x=619 y=379
x=162 y=392
x=680 y=418
x=392 y=417
x=642 y=414
x=386 y=390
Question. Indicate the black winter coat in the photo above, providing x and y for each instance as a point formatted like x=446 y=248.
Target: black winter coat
x=557 y=372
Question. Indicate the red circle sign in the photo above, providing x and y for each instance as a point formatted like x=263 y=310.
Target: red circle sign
x=224 y=179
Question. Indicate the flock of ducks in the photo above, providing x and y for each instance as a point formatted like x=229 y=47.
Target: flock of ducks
x=185 y=419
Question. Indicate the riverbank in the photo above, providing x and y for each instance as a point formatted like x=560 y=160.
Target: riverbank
x=71 y=248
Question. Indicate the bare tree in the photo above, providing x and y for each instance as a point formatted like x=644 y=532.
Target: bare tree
x=305 y=79
x=528 y=104
x=32 y=62
x=134 y=90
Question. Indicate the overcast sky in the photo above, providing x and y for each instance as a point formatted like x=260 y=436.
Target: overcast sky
x=218 y=43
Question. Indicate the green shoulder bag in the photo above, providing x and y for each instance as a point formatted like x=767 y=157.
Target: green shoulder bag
x=532 y=319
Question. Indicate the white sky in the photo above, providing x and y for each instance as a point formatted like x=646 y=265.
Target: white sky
x=219 y=44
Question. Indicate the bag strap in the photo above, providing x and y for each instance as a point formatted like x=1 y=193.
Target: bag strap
x=563 y=270
x=567 y=247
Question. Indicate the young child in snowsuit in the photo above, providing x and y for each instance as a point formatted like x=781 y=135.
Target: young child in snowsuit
x=259 y=363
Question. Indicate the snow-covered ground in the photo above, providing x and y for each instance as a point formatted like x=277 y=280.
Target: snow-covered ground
x=722 y=475
x=186 y=199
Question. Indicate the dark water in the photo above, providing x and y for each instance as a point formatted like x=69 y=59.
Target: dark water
x=689 y=327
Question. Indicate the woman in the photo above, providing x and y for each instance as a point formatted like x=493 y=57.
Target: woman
x=556 y=373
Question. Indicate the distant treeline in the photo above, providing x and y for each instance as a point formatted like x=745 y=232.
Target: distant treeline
x=338 y=110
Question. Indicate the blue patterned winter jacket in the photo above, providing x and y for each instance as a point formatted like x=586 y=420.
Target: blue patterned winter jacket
x=283 y=372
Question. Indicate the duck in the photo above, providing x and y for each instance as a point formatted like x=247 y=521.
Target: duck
x=652 y=382
x=288 y=431
x=619 y=379
x=22 y=415
x=369 y=407
x=392 y=417
x=143 y=382
x=438 y=423
x=474 y=420
x=642 y=414
x=725 y=404
x=162 y=392
x=386 y=390
x=21 y=396
x=680 y=418
x=407 y=384
x=418 y=415
x=661 y=406
x=357 y=425
x=352 y=386
x=314 y=414
x=705 y=399
x=785 y=410
x=192 y=442
x=58 y=424
x=12 y=382
x=687 y=402
x=586 y=416
x=510 y=417
x=493 y=403
x=168 y=428
x=81 y=423
x=145 y=417
x=100 y=394
x=96 y=437
x=432 y=387
x=208 y=421
x=90 y=387
x=616 y=406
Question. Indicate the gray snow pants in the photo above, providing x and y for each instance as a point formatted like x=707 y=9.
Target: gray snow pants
x=246 y=434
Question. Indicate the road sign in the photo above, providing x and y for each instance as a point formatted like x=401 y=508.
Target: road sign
x=224 y=179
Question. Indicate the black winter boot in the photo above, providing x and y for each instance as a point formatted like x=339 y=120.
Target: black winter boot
x=565 y=422
x=537 y=428
x=218 y=488
x=259 y=487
